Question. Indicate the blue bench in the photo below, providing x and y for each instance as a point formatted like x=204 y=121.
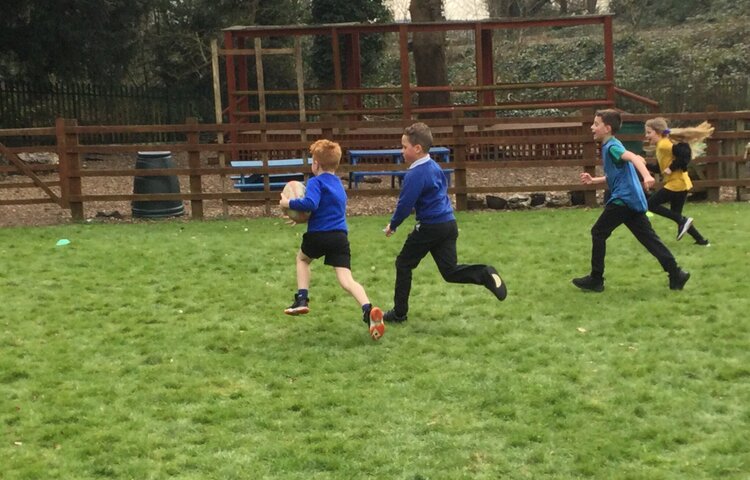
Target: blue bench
x=390 y=156
x=253 y=182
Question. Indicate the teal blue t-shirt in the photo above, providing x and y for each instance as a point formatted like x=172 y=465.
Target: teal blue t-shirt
x=622 y=178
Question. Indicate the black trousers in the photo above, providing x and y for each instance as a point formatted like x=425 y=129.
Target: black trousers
x=674 y=212
x=439 y=240
x=612 y=217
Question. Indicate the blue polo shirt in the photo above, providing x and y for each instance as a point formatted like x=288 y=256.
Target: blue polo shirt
x=425 y=190
x=326 y=199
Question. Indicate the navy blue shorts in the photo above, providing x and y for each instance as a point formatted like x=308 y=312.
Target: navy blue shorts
x=334 y=246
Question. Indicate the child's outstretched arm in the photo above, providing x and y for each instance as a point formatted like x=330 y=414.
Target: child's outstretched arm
x=410 y=191
x=587 y=179
x=640 y=164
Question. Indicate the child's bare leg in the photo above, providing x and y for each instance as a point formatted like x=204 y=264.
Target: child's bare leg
x=347 y=282
x=303 y=271
x=372 y=316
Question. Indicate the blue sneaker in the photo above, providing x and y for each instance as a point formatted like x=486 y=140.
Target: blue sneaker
x=299 y=307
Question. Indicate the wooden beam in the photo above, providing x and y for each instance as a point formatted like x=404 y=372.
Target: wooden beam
x=485 y=68
x=21 y=165
x=403 y=41
x=261 y=82
x=337 y=77
x=219 y=117
x=252 y=51
x=609 y=59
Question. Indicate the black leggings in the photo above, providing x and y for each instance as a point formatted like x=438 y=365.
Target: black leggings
x=676 y=203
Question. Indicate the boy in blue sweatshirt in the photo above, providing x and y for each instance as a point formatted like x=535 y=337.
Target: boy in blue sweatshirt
x=425 y=189
x=326 y=235
x=625 y=204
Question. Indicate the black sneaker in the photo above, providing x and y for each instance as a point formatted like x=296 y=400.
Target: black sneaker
x=299 y=307
x=678 y=279
x=589 y=283
x=391 y=317
x=703 y=242
x=495 y=284
x=684 y=227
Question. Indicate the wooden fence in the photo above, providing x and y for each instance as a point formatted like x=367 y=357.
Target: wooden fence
x=477 y=146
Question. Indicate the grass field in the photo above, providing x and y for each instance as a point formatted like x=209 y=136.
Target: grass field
x=154 y=351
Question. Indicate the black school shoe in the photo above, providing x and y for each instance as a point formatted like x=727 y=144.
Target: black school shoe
x=589 y=283
x=678 y=279
x=391 y=317
x=495 y=284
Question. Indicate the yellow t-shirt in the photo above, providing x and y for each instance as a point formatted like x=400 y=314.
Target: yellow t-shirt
x=677 y=181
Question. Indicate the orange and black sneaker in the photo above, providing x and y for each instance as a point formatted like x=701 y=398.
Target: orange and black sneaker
x=299 y=307
x=375 y=322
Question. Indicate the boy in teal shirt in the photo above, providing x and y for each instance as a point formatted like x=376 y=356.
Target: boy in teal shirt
x=626 y=204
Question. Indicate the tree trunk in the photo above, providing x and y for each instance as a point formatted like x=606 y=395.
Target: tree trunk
x=252 y=11
x=563 y=7
x=505 y=8
x=429 y=54
x=515 y=9
x=534 y=7
x=591 y=6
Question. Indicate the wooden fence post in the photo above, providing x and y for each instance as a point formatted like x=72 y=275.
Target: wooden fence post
x=739 y=148
x=459 y=156
x=219 y=117
x=72 y=171
x=63 y=166
x=194 y=163
x=713 y=150
x=589 y=151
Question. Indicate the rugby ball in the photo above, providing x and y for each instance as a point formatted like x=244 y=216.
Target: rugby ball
x=292 y=190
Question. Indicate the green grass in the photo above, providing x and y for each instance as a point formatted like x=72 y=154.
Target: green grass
x=159 y=350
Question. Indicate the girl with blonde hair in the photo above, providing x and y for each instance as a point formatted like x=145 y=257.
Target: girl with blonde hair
x=674 y=150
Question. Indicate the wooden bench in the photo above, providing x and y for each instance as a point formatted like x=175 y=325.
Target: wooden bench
x=254 y=182
x=390 y=157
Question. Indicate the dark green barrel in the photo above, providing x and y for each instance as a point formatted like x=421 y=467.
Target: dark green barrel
x=156 y=184
x=633 y=128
